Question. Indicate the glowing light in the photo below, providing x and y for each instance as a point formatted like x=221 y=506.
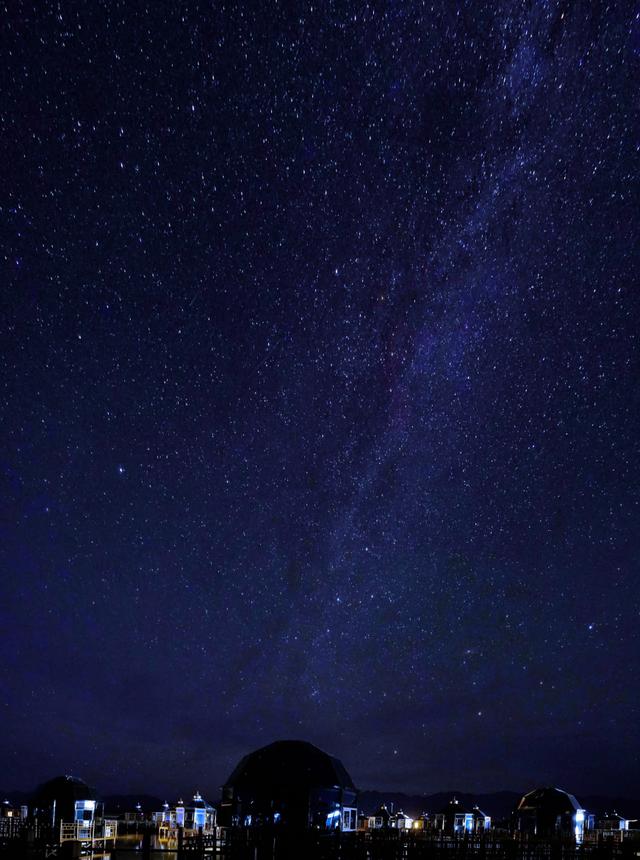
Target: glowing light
x=333 y=818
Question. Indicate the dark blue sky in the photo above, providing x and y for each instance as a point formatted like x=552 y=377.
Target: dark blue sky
x=319 y=393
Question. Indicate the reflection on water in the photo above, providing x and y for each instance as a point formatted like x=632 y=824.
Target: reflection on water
x=125 y=847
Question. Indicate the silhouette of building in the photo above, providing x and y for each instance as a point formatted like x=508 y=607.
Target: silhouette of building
x=66 y=798
x=611 y=823
x=402 y=821
x=193 y=817
x=551 y=812
x=457 y=818
x=10 y=810
x=380 y=820
x=71 y=809
x=290 y=784
x=423 y=822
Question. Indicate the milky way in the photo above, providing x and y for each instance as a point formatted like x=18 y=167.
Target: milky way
x=319 y=391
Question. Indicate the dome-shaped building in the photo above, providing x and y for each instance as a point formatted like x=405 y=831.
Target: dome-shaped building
x=292 y=784
x=551 y=812
x=64 y=798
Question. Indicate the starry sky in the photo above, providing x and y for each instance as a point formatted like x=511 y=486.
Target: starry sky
x=319 y=391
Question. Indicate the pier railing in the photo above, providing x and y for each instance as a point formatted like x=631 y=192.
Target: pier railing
x=89 y=831
x=238 y=844
x=31 y=843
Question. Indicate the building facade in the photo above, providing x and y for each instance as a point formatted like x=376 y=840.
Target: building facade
x=290 y=784
x=552 y=813
x=72 y=810
x=457 y=819
x=198 y=816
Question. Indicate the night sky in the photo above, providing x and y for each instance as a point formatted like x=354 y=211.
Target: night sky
x=319 y=391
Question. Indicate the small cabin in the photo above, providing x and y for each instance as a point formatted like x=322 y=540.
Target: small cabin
x=613 y=823
x=423 y=822
x=198 y=816
x=10 y=810
x=402 y=821
x=380 y=820
x=458 y=819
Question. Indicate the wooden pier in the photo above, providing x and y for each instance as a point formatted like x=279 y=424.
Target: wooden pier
x=274 y=844
x=279 y=844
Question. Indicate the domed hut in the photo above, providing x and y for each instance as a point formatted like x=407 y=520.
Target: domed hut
x=66 y=798
x=550 y=812
x=290 y=784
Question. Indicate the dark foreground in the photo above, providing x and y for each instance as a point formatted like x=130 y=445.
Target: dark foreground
x=391 y=845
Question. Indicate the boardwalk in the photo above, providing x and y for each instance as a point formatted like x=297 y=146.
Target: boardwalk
x=395 y=845
x=265 y=844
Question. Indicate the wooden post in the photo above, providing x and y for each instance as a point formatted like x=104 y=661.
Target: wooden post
x=146 y=844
